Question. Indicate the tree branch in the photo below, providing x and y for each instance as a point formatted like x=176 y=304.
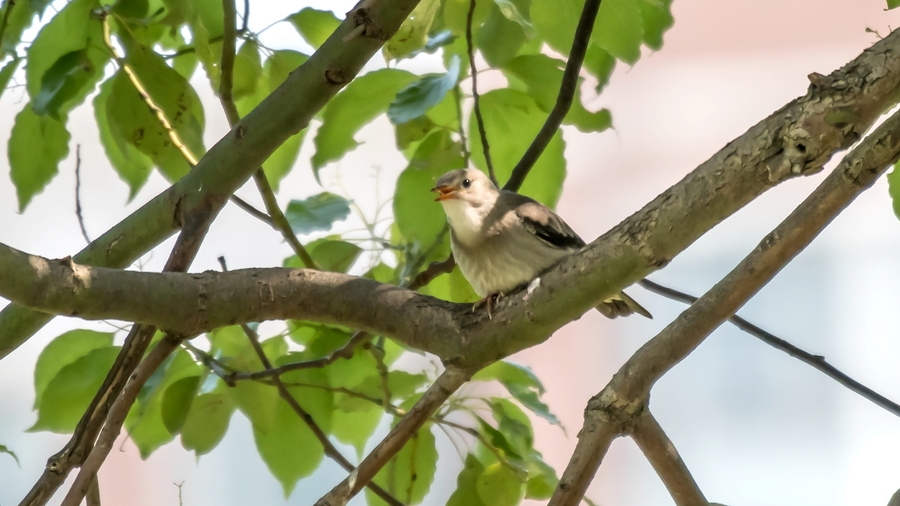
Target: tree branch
x=816 y=361
x=666 y=461
x=567 y=90
x=228 y=164
x=485 y=146
x=611 y=412
x=446 y=384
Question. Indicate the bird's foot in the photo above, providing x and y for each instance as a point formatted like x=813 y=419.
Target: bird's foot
x=489 y=302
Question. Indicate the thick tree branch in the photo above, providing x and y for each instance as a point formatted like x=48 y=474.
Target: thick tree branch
x=817 y=361
x=567 y=90
x=229 y=163
x=446 y=384
x=666 y=461
x=612 y=412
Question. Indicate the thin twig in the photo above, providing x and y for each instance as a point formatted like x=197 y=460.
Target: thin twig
x=78 y=193
x=447 y=383
x=252 y=211
x=116 y=418
x=816 y=361
x=462 y=130
x=666 y=461
x=328 y=447
x=477 y=105
x=610 y=413
x=567 y=89
x=246 y=19
x=345 y=351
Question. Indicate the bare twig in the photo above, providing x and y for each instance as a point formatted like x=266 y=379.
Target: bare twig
x=447 y=383
x=345 y=351
x=486 y=147
x=246 y=19
x=666 y=461
x=116 y=418
x=567 y=89
x=611 y=412
x=434 y=270
x=462 y=129
x=304 y=415
x=252 y=211
x=816 y=361
x=78 y=192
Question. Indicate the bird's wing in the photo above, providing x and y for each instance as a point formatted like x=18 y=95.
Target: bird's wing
x=542 y=222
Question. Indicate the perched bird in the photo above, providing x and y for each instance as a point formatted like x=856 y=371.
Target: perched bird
x=502 y=240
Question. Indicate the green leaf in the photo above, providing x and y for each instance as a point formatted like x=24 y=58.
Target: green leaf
x=7 y=72
x=500 y=39
x=498 y=485
x=359 y=103
x=131 y=165
x=314 y=26
x=511 y=119
x=140 y=127
x=542 y=479
x=413 y=131
x=555 y=22
x=498 y=440
x=31 y=169
x=177 y=401
x=466 y=493
x=403 y=384
x=206 y=422
x=599 y=64
x=418 y=217
x=19 y=18
x=620 y=29
x=258 y=402
x=514 y=424
x=410 y=473
x=417 y=98
x=4 y=449
x=510 y=373
x=413 y=33
x=70 y=391
x=289 y=449
x=892 y=4
x=73 y=29
x=542 y=77
x=331 y=255
x=354 y=426
x=456 y=12
x=511 y=11
x=62 y=351
x=247 y=70
x=894 y=188
x=452 y=287
x=317 y=213
x=68 y=73
x=657 y=15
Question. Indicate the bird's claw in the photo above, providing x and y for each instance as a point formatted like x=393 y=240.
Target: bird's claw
x=489 y=302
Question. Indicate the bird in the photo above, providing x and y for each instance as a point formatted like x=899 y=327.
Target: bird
x=502 y=240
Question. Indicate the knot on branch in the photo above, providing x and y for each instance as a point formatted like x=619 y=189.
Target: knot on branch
x=365 y=26
x=616 y=410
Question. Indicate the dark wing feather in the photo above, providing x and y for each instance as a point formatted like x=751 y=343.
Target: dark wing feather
x=541 y=221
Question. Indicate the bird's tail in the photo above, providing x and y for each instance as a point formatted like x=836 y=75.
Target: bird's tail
x=621 y=305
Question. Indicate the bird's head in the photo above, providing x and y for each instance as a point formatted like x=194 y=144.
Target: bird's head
x=469 y=186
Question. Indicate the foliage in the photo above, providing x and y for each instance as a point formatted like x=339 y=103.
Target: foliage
x=150 y=117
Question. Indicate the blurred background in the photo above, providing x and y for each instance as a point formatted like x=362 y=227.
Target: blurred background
x=753 y=425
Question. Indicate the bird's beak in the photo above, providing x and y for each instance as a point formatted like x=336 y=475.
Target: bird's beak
x=445 y=193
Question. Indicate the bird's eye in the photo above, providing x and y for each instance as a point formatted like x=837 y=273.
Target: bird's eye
x=467 y=183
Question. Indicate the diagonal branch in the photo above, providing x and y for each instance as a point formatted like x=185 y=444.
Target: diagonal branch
x=817 y=361
x=611 y=412
x=564 y=99
x=666 y=461
x=228 y=164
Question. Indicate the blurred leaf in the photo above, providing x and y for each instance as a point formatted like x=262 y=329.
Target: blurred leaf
x=466 y=493
x=403 y=384
x=314 y=26
x=657 y=15
x=317 y=213
x=514 y=424
x=511 y=119
x=599 y=64
x=420 y=96
x=19 y=18
x=331 y=255
x=4 y=449
x=257 y=402
x=289 y=449
x=177 y=401
x=62 y=351
x=31 y=169
x=498 y=485
x=131 y=9
x=131 y=165
x=247 y=70
x=419 y=218
x=620 y=29
x=510 y=373
x=410 y=473
x=499 y=39
x=413 y=130
x=70 y=392
x=892 y=4
x=555 y=22
x=70 y=79
x=456 y=13
x=894 y=188
x=542 y=77
x=498 y=440
x=359 y=103
x=206 y=422
x=355 y=427
x=542 y=479
x=452 y=287
x=413 y=33
x=511 y=11
x=7 y=72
